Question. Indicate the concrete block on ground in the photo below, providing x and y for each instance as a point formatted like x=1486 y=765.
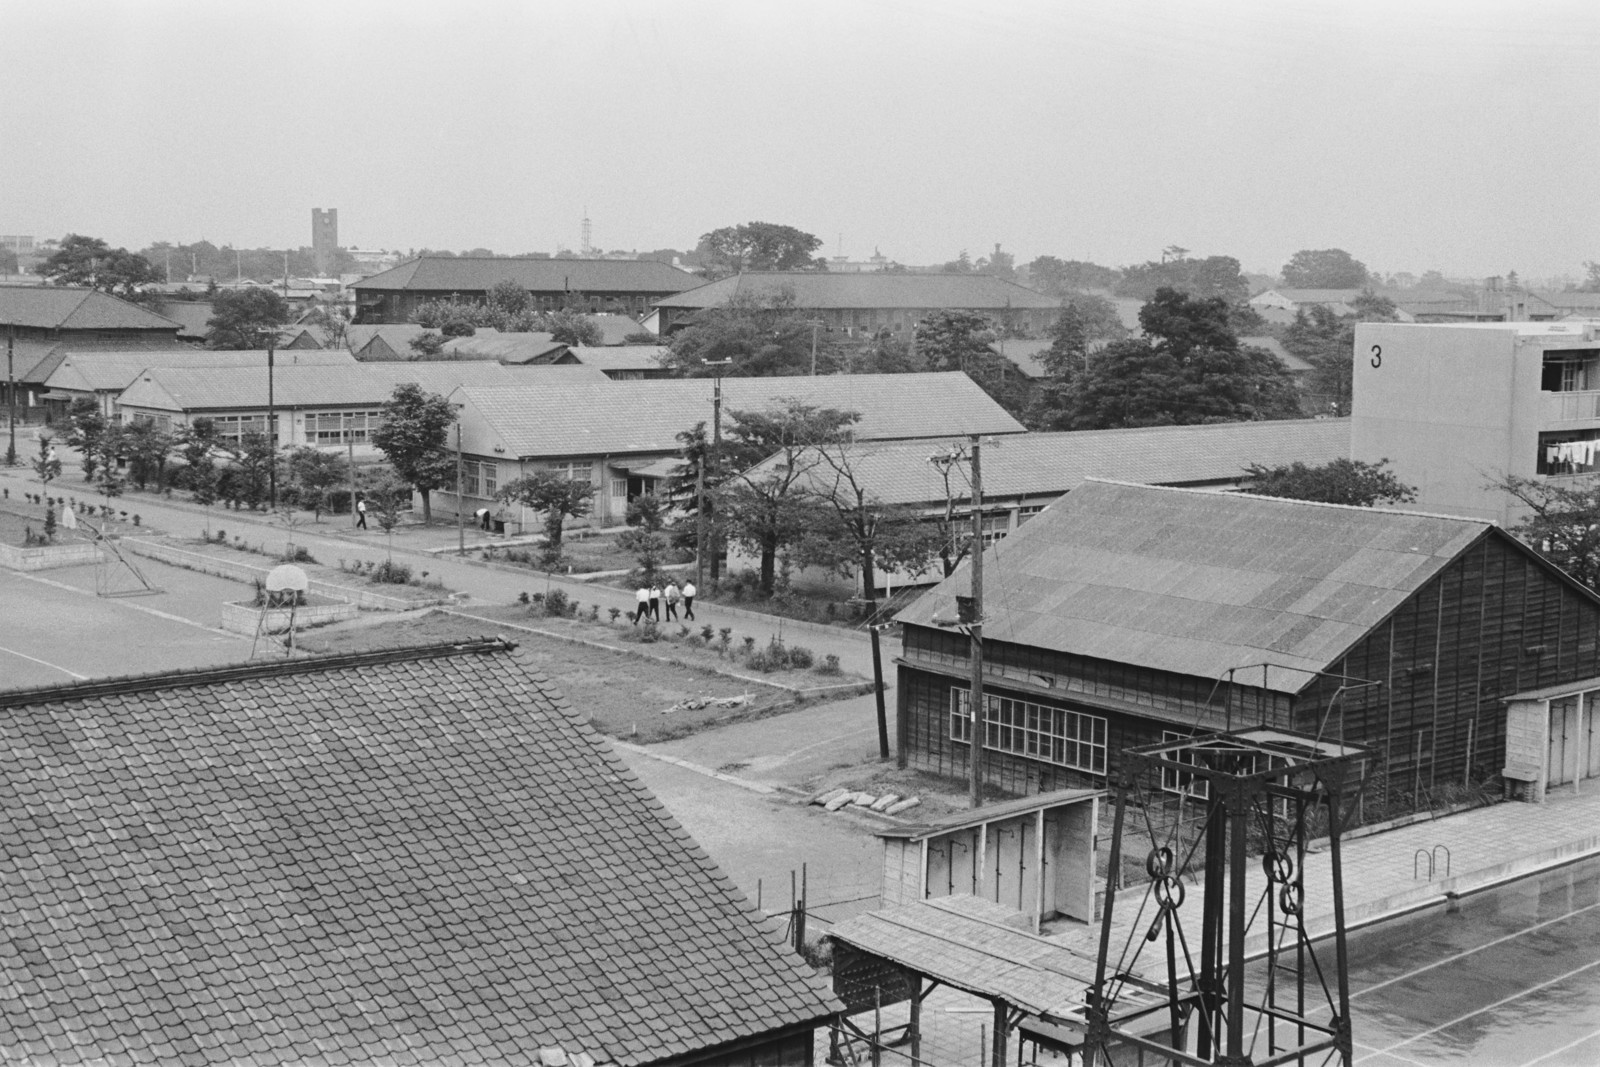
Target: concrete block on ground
x=829 y=797
x=865 y=800
x=885 y=802
x=839 y=801
x=904 y=805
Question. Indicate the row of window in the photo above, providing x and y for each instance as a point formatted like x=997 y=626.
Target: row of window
x=338 y=427
x=1054 y=735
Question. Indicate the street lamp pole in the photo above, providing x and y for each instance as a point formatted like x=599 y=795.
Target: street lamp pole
x=11 y=393
x=715 y=462
x=975 y=752
x=272 y=424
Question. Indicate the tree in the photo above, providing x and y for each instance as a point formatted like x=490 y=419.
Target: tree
x=47 y=468
x=1058 y=277
x=570 y=327
x=1324 y=268
x=428 y=347
x=1563 y=523
x=1341 y=481
x=1085 y=320
x=87 y=434
x=767 y=511
x=510 y=297
x=763 y=336
x=644 y=538
x=1214 y=276
x=1327 y=342
x=1188 y=368
x=147 y=449
x=853 y=531
x=758 y=246
x=413 y=436
x=1591 y=283
x=1001 y=264
x=90 y=262
x=558 y=498
x=241 y=317
x=311 y=475
x=953 y=340
x=962 y=264
x=247 y=479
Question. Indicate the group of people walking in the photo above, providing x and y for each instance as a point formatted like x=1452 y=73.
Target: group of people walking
x=647 y=601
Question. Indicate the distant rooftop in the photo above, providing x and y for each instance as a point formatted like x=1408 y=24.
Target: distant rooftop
x=472 y=275
x=819 y=289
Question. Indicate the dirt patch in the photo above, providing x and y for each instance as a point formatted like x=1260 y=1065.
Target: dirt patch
x=623 y=696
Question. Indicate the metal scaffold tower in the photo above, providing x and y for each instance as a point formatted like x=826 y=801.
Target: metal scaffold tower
x=1246 y=982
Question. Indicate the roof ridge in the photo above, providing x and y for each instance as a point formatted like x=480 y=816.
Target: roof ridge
x=1306 y=503
x=134 y=683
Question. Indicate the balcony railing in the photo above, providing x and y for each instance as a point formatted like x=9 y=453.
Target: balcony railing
x=1572 y=407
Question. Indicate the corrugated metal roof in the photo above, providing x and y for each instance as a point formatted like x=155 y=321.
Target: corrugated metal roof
x=478 y=275
x=190 y=315
x=615 y=329
x=397 y=335
x=508 y=347
x=103 y=371
x=621 y=357
x=820 y=289
x=370 y=384
x=583 y=418
x=61 y=308
x=1197 y=583
x=899 y=472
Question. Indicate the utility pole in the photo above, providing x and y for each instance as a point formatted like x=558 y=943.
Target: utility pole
x=350 y=461
x=272 y=424
x=10 y=391
x=814 y=324
x=461 y=510
x=976 y=632
x=716 y=454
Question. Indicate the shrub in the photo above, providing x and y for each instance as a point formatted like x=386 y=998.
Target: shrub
x=594 y=612
x=647 y=634
x=555 y=603
x=614 y=613
x=683 y=631
x=749 y=645
x=830 y=665
x=392 y=573
x=801 y=658
x=298 y=554
x=707 y=632
x=522 y=597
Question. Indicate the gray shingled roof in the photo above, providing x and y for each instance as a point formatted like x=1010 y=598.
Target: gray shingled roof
x=413 y=857
x=232 y=388
x=899 y=472
x=1199 y=582
x=619 y=417
x=819 y=289
x=397 y=335
x=507 y=347
x=479 y=275
x=621 y=357
x=93 y=370
x=61 y=308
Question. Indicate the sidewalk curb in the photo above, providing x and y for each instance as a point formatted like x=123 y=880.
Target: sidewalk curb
x=731 y=779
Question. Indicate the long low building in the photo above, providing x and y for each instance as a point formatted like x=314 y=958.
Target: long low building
x=1023 y=474
x=621 y=436
x=330 y=406
x=102 y=375
x=624 y=286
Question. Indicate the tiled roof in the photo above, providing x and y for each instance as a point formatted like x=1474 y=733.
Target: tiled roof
x=91 y=370
x=819 y=289
x=1026 y=353
x=413 y=857
x=476 y=275
x=191 y=316
x=58 y=308
x=506 y=347
x=1035 y=464
x=36 y=360
x=614 y=329
x=370 y=384
x=620 y=417
x=621 y=357
x=1295 y=364
x=397 y=335
x=1199 y=582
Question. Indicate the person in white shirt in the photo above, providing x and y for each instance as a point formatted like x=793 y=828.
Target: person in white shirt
x=655 y=603
x=672 y=600
x=688 y=600
x=641 y=601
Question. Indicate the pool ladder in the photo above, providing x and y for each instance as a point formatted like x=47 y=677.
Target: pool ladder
x=1432 y=856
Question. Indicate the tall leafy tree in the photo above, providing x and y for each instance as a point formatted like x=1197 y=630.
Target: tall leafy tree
x=87 y=432
x=90 y=262
x=1085 y=322
x=1188 y=368
x=1214 y=276
x=961 y=340
x=763 y=336
x=1340 y=481
x=767 y=511
x=759 y=246
x=1324 y=268
x=558 y=498
x=311 y=475
x=414 y=436
x=1058 y=277
x=1562 y=523
x=241 y=318
x=148 y=450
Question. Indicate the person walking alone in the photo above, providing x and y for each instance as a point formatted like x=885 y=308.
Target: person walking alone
x=361 y=512
x=688 y=600
x=672 y=600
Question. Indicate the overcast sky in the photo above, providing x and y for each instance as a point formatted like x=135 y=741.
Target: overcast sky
x=1460 y=136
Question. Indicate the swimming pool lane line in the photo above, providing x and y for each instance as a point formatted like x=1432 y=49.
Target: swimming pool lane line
x=1486 y=1008
x=1590 y=1036
x=1467 y=952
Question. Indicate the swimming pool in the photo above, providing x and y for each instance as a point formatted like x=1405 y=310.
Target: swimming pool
x=1510 y=977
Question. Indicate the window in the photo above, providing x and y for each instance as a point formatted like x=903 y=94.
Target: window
x=338 y=427
x=619 y=488
x=577 y=470
x=233 y=428
x=1573 y=452
x=996 y=527
x=1181 y=782
x=1036 y=731
x=479 y=477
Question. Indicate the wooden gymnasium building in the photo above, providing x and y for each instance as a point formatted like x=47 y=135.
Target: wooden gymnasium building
x=1126 y=614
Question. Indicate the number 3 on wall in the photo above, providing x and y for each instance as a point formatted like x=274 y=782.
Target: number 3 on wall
x=1377 y=355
